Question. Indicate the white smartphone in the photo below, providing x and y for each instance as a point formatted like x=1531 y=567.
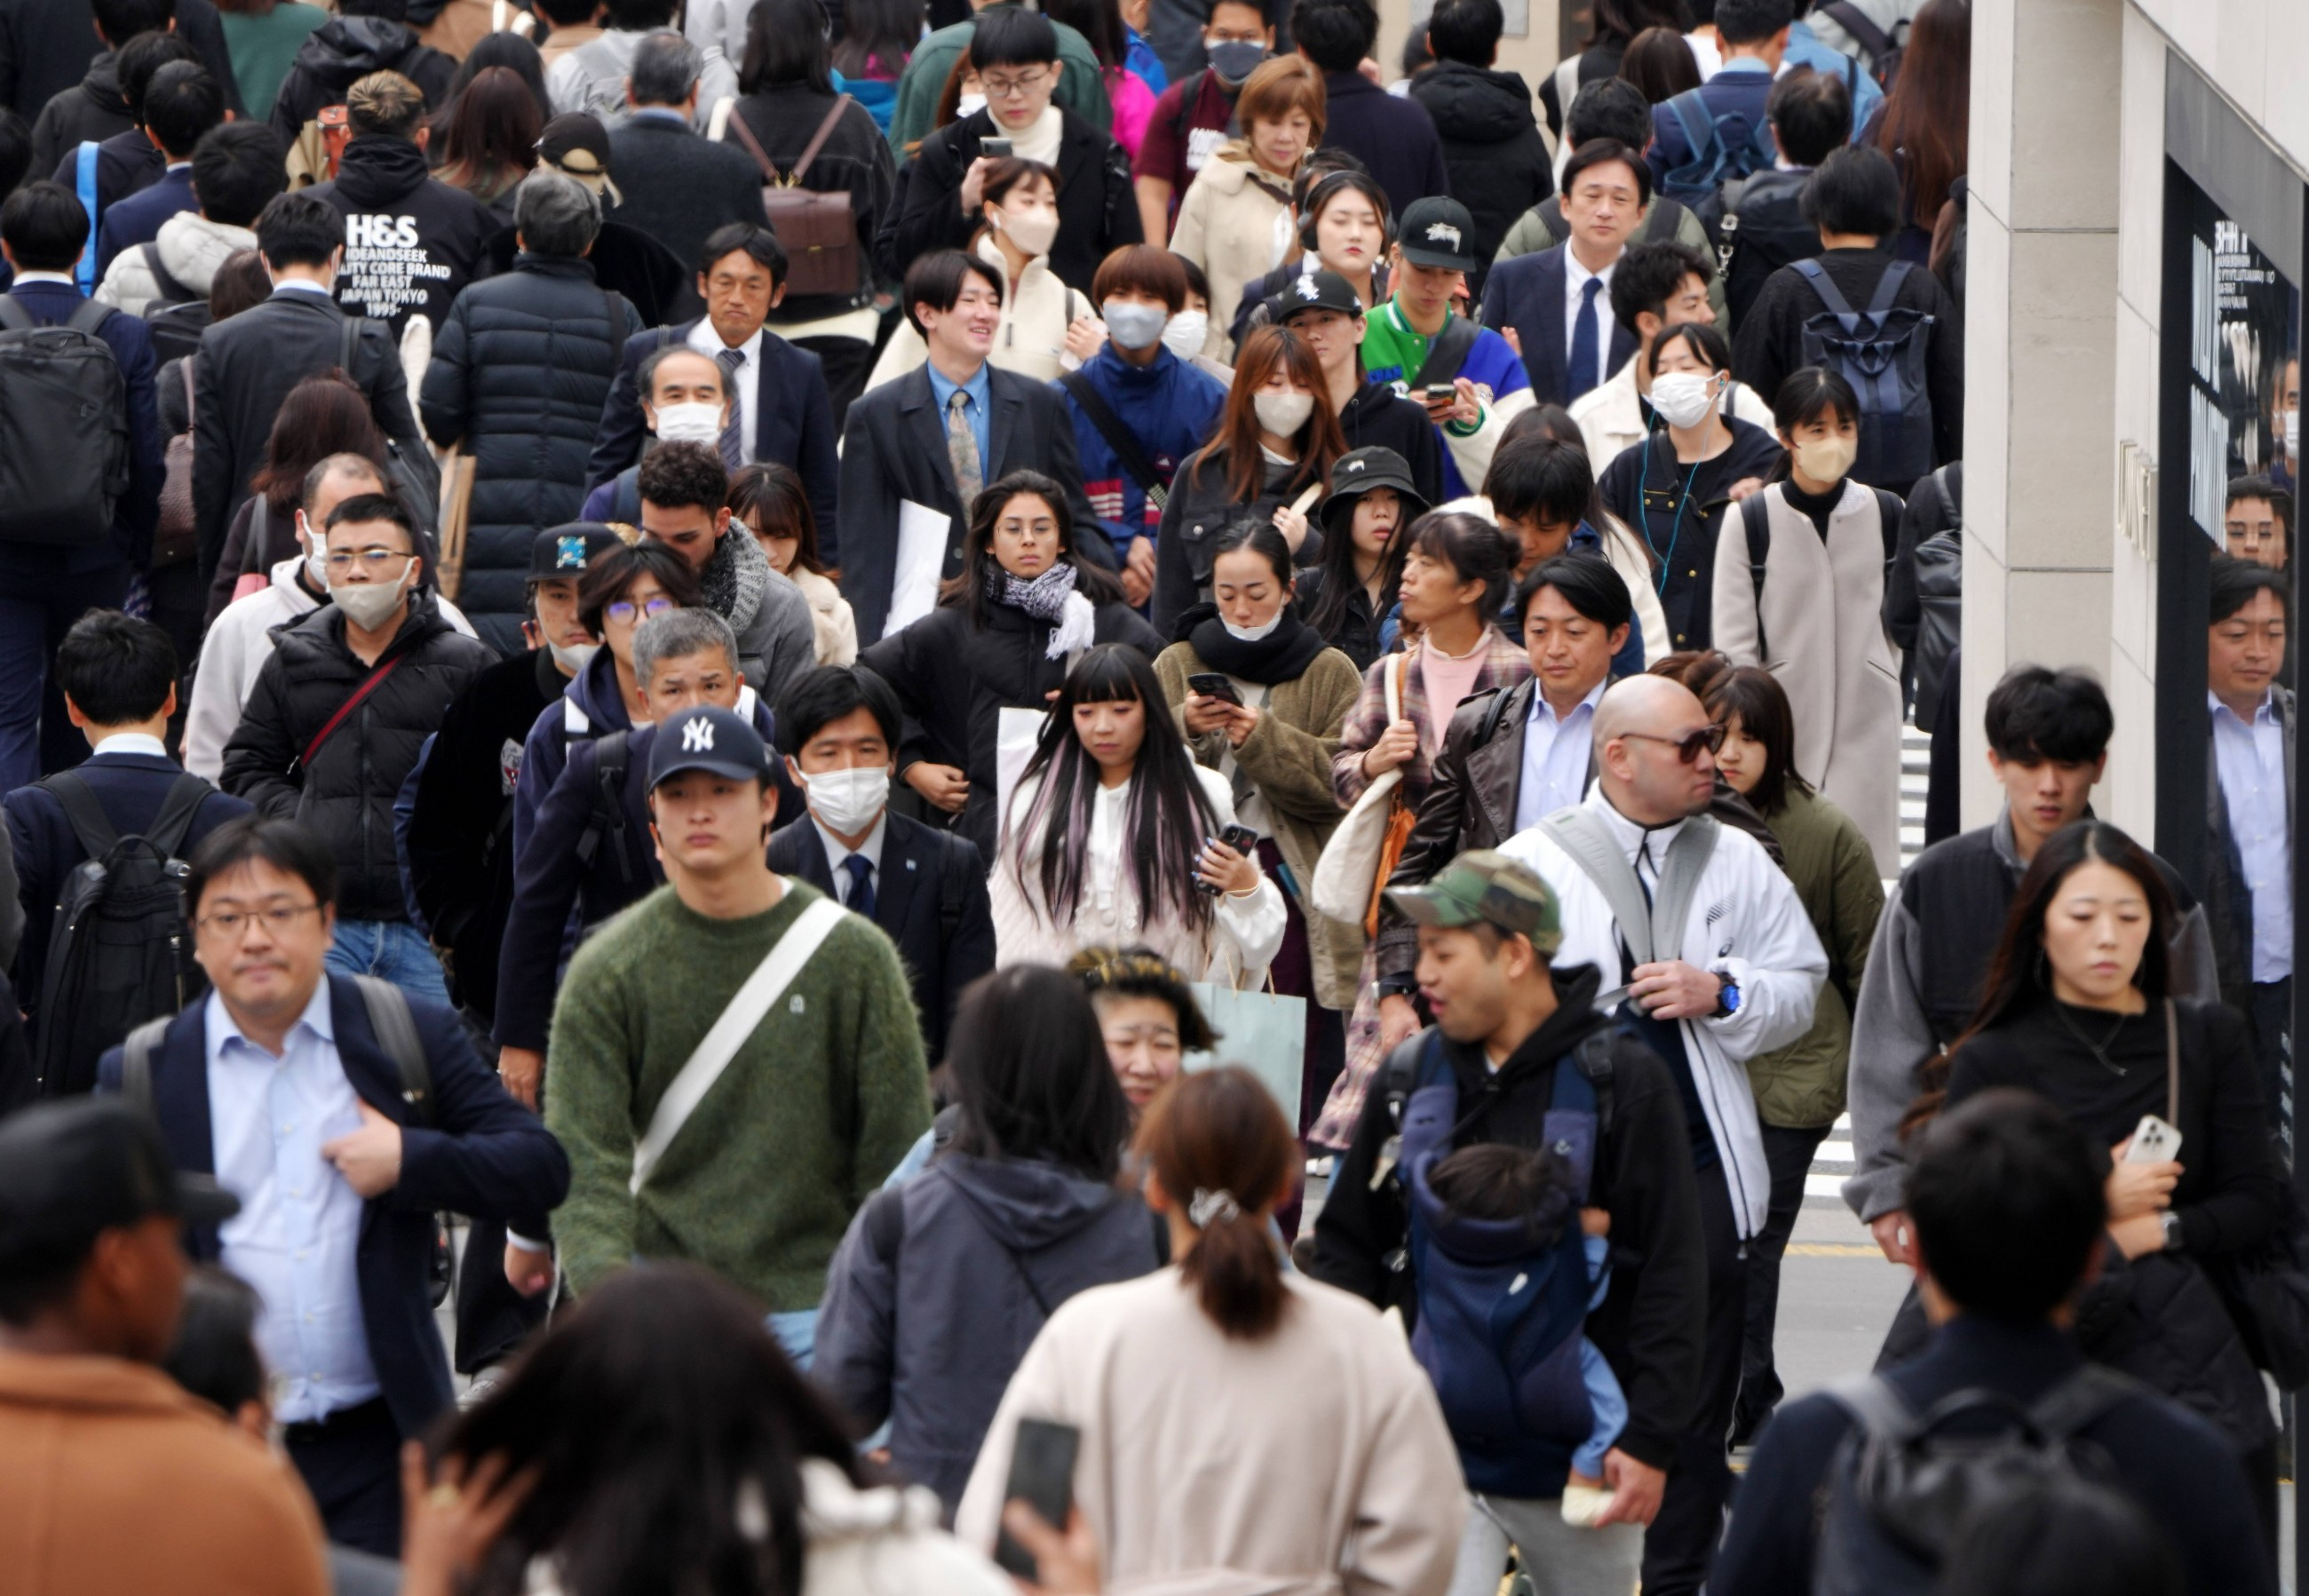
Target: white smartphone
x=2153 y=1141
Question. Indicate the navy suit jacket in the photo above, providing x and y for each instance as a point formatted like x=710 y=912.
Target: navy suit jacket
x=793 y=418
x=921 y=866
x=136 y=220
x=130 y=787
x=484 y=1156
x=52 y=304
x=1526 y=293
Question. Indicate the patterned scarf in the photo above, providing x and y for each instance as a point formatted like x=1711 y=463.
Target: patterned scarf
x=1050 y=597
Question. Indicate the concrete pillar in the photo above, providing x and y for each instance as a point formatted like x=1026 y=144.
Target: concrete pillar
x=2041 y=366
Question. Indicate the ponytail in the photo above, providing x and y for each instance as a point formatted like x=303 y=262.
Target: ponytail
x=1224 y=1154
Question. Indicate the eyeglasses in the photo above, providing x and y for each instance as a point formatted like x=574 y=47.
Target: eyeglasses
x=1688 y=746
x=230 y=924
x=373 y=559
x=623 y=610
x=1000 y=88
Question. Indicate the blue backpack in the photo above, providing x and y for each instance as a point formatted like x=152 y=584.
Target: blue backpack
x=1722 y=148
x=1499 y=1319
x=1880 y=352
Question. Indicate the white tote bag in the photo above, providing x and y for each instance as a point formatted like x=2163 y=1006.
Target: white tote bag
x=1349 y=868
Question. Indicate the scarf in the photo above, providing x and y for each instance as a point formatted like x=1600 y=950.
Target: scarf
x=735 y=579
x=1283 y=654
x=1048 y=597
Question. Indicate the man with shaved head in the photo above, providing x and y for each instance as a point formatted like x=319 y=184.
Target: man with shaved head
x=1716 y=962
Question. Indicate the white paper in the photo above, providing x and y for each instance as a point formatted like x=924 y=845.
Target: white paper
x=921 y=559
x=1017 y=732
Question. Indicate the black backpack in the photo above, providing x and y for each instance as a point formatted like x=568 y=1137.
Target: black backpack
x=1938 y=561
x=1881 y=352
x=1901 y=1490
x=1759 y=227
x=64 y=428
x=607 y=820
x=120 y=951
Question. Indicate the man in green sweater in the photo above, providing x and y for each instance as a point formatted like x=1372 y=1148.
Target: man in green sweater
x=1081 y=89
x=784 y=1021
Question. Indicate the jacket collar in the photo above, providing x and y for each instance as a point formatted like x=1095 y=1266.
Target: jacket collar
x=92 y=1385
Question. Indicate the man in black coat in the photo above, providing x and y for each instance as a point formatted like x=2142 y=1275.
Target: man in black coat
x=182 y=103
x=624 y=259
x=248 y=363
x=365 y=36
x=676 y=186
x=107 y=108
x=2006 y=1201
x=901 y=443
x=1395 y=139
x=839 y=729
x=1491 y=148
x=411 y=242
x=43 y=43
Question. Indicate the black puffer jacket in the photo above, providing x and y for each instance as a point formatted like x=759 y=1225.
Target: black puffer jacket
x=411 y=242
x=346 y=792
x=92 y=110
x=1491 y=148
x=344 y=49
x=519 y=371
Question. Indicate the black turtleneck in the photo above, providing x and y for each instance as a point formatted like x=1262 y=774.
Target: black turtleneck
x=1817 y=507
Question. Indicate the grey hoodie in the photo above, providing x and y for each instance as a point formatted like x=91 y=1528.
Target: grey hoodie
x=592 y=78
x=986 y=1250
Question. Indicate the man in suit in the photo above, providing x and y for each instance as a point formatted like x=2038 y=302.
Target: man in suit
x=925 y=445
x=248 y=363
x=44 y=44
x=111 y=117
x=44 y=589
x=677 y=186
x=181 y=104
x=1557 y=304
x=118 y=677
x=281 y=1085
x=781 y=411
x=1755 y=35
x=838 y=728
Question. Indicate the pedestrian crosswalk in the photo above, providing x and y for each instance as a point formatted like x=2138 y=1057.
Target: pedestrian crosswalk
x=1832 y=1162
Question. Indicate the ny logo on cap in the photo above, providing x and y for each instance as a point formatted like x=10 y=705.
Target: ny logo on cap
x=569 y=554
x=1443 y=232
x=1308 y=290
x=698 y=734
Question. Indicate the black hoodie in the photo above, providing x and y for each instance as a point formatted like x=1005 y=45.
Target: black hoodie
x=91 y=111
x=1492 y=147
x=411 y=242
x=344 y=49
x=1651 y=1326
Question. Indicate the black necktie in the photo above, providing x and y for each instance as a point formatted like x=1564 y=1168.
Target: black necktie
x=861 y=884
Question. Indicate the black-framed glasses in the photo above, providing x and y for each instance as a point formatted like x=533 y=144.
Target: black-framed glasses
x=1688 y=746
x=230 y=924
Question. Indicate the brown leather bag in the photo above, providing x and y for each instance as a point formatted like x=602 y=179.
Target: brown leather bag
x=819 y=230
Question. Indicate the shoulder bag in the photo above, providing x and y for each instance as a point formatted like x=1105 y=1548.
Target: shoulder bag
x=1361 y=854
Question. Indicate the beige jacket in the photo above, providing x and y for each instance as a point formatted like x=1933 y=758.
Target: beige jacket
x=1314 y=1460
x=1235 y=223
x=1288 y=759
x=1031 y=338
x=834 y=628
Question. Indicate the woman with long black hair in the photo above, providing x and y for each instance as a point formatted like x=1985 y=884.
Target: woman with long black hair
x=2078 y=1008
x=1115 y=836
x=1348 y=595
x=1018 y=1214
x=1007 y=629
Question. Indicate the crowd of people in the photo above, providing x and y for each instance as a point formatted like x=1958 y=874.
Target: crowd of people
x=926 y=796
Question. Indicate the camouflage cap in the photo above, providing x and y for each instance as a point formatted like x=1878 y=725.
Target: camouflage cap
x=1483 y=884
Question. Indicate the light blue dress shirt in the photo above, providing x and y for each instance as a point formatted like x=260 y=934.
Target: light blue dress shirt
x=298 y=1233
x=1555 y=755
x=980 y=390
x=2252 y=761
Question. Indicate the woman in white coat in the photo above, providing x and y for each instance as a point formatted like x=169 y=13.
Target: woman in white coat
x=1237 y=222
x=1799 y=591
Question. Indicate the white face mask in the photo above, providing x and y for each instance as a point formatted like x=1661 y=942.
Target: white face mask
x=1684 y=398
x=574 y=657
x=1252 y=634
x=1283 y=414
x=969 y=104
x=366 y=604
x=1184 y=334
x=2289 y=423
x=847 y=801
x=317 y=554
x=691 y=422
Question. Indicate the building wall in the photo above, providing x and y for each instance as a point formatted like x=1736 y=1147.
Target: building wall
x=1532 y=52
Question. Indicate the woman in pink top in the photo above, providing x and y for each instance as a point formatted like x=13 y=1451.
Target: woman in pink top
x=1100 y=23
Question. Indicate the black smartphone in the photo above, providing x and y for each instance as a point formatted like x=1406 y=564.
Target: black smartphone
x=1042 y=1476
x=1210 y=684
x=994 y=149
x=1442 y=393
x=1242 y=839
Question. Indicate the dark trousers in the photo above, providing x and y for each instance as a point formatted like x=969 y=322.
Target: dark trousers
x=492 y=1318
x=1681 y=1541
x=2273 y=1051
x=847 y=361
x=177 y=599
x=36 y=737
x=1788 y=1154
x=351 y=1463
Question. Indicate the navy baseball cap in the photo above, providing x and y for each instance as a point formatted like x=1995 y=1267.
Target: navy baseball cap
x=71 y=1170
x=708 y=738
x=567 y=550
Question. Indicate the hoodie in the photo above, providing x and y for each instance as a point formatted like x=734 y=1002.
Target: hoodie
x=191 y=248
x=411 y=242
x=344 y=49
x=981 y=1251
x=94 y=109
x=1492 y=147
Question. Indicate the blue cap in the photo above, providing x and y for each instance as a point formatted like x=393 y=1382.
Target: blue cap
x=708 y=738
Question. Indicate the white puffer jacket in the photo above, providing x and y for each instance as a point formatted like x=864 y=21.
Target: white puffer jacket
x=191 y=248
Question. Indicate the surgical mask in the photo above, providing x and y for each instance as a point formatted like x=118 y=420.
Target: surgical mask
x=1827 y=459
x=1032 y=231
x=1252 y=634
x=574 y=657
x=1684 y=398
x=1283 y=414
x=1184 y=334
x=969 y=104
x=693 y=422
x=2288 y=424
x=1235 y=59
x=847 y=801
x=367 y=604
x=1131 y=324
x=316 y=555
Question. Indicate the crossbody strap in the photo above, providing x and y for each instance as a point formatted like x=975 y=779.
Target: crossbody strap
x=1447 y=354
x=396 y=1033
x=369 y=685
x=763 y=987
x=1599 y=858
x=2172 y=1063
x=1118 y=438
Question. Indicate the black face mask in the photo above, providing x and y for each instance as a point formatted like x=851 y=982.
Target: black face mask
x=1235 y=59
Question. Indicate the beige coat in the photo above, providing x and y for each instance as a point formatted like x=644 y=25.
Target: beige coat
x=1230 y=1468
x=1288 y=759
x=1235 y=223
x=1822 y=619
x=832 y=625
x=1030 y=340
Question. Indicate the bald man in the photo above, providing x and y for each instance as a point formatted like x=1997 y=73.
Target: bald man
x=1717 y=962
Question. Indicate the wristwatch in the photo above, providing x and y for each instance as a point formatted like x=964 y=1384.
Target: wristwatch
x=1727 y=996
x=2172 y=1223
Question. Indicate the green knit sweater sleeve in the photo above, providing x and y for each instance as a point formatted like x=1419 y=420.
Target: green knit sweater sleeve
x=589 y=1108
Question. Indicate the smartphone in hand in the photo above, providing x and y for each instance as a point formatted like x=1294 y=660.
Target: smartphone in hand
x=2154 y=1141
x=1042 y=1476
x=1210 y=684
x=994 y=149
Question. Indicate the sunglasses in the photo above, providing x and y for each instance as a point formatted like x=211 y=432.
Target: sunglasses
x=1688 y=746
